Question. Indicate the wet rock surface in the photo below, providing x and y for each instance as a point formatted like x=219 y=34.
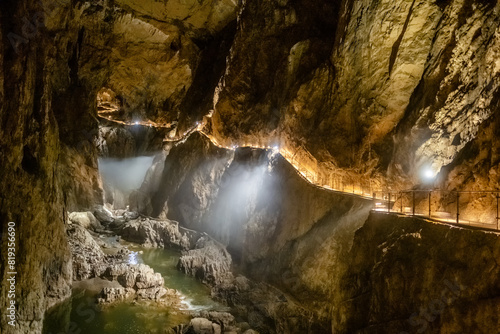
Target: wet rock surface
x=159 y=233
x=447 y=276
x=88 y=258
x=121 y=281
x=372 y=87
x=104 y=215
x=85 y=220
x=298 y=252
x=136 y=281
x=209 y=262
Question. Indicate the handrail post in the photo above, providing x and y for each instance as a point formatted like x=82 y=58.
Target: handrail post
x=389 y=202
x=497 y=209
x=413 y=202
x=429 y=204
x=401 y=199
x=458 y=207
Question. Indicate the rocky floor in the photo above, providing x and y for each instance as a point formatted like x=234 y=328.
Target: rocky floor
x=103 y=265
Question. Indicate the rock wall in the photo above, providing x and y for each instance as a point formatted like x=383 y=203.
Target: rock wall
x=48 y=159
x=391 y=88
x=30 y=188
x=120 y=141
x=406 y=275
x=56 y=56
x=273 y=222
x=373 y=87
x=318 y=262
x=243 y=197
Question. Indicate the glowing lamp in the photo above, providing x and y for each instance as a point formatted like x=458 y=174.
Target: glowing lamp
x=428 y=174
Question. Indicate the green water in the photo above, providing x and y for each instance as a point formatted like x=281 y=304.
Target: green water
x=196 y=296
x=81 y=315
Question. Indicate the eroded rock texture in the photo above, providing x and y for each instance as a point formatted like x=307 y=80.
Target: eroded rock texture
x=373 y=88
x=42 y=96
x=208 y=261
x=119 y=141
x=316 y=261
x=56 y=56
x=408 y=275
x=159 y=234
x=126 y=281
x=395 y=85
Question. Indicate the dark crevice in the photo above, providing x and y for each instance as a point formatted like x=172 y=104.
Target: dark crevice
x=73 y=62
x=210 y=68
x=395 y=46
x=30 y=163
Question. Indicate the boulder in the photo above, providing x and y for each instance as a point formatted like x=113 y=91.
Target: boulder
x=201 y=326
x=117 y=223
x=110 y=295
x=158 y=233
x=85 y=219
x=127 y=279
x=148 y=278
x=216 y=329
x=153 y=293
x=209 y=262
x=130 y=215
x=224 y=319
x=103 y=215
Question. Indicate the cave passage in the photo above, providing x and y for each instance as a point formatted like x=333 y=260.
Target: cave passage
x=249 y=167
x=122 y=176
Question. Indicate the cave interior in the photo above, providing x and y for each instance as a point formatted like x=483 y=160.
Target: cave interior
x=223 y=166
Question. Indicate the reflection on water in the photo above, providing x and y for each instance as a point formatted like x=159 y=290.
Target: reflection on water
x=80 y=314
x=196 y=296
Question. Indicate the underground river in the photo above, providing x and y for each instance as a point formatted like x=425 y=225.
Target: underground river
x=81 y=313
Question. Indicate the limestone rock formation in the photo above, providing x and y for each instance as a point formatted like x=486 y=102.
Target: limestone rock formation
x=209 y=262
x=111 y=295
x=136 y=281
x=214 y=323
x=85 y=219
x=306 y=245
x=372 y=90
x=440 y=271
x=392 y=87
x=268 y=309
x=88 y=258
x=139 y=200
x=202 y=326
x=103 y=215
x=159 y=233
x=119 y=141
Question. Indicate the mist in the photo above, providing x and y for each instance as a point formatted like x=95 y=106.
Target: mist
x=224 y=196
x=121 y=176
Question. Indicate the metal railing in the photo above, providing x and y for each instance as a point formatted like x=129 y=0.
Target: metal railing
x=473 y=208
x=458 y=207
